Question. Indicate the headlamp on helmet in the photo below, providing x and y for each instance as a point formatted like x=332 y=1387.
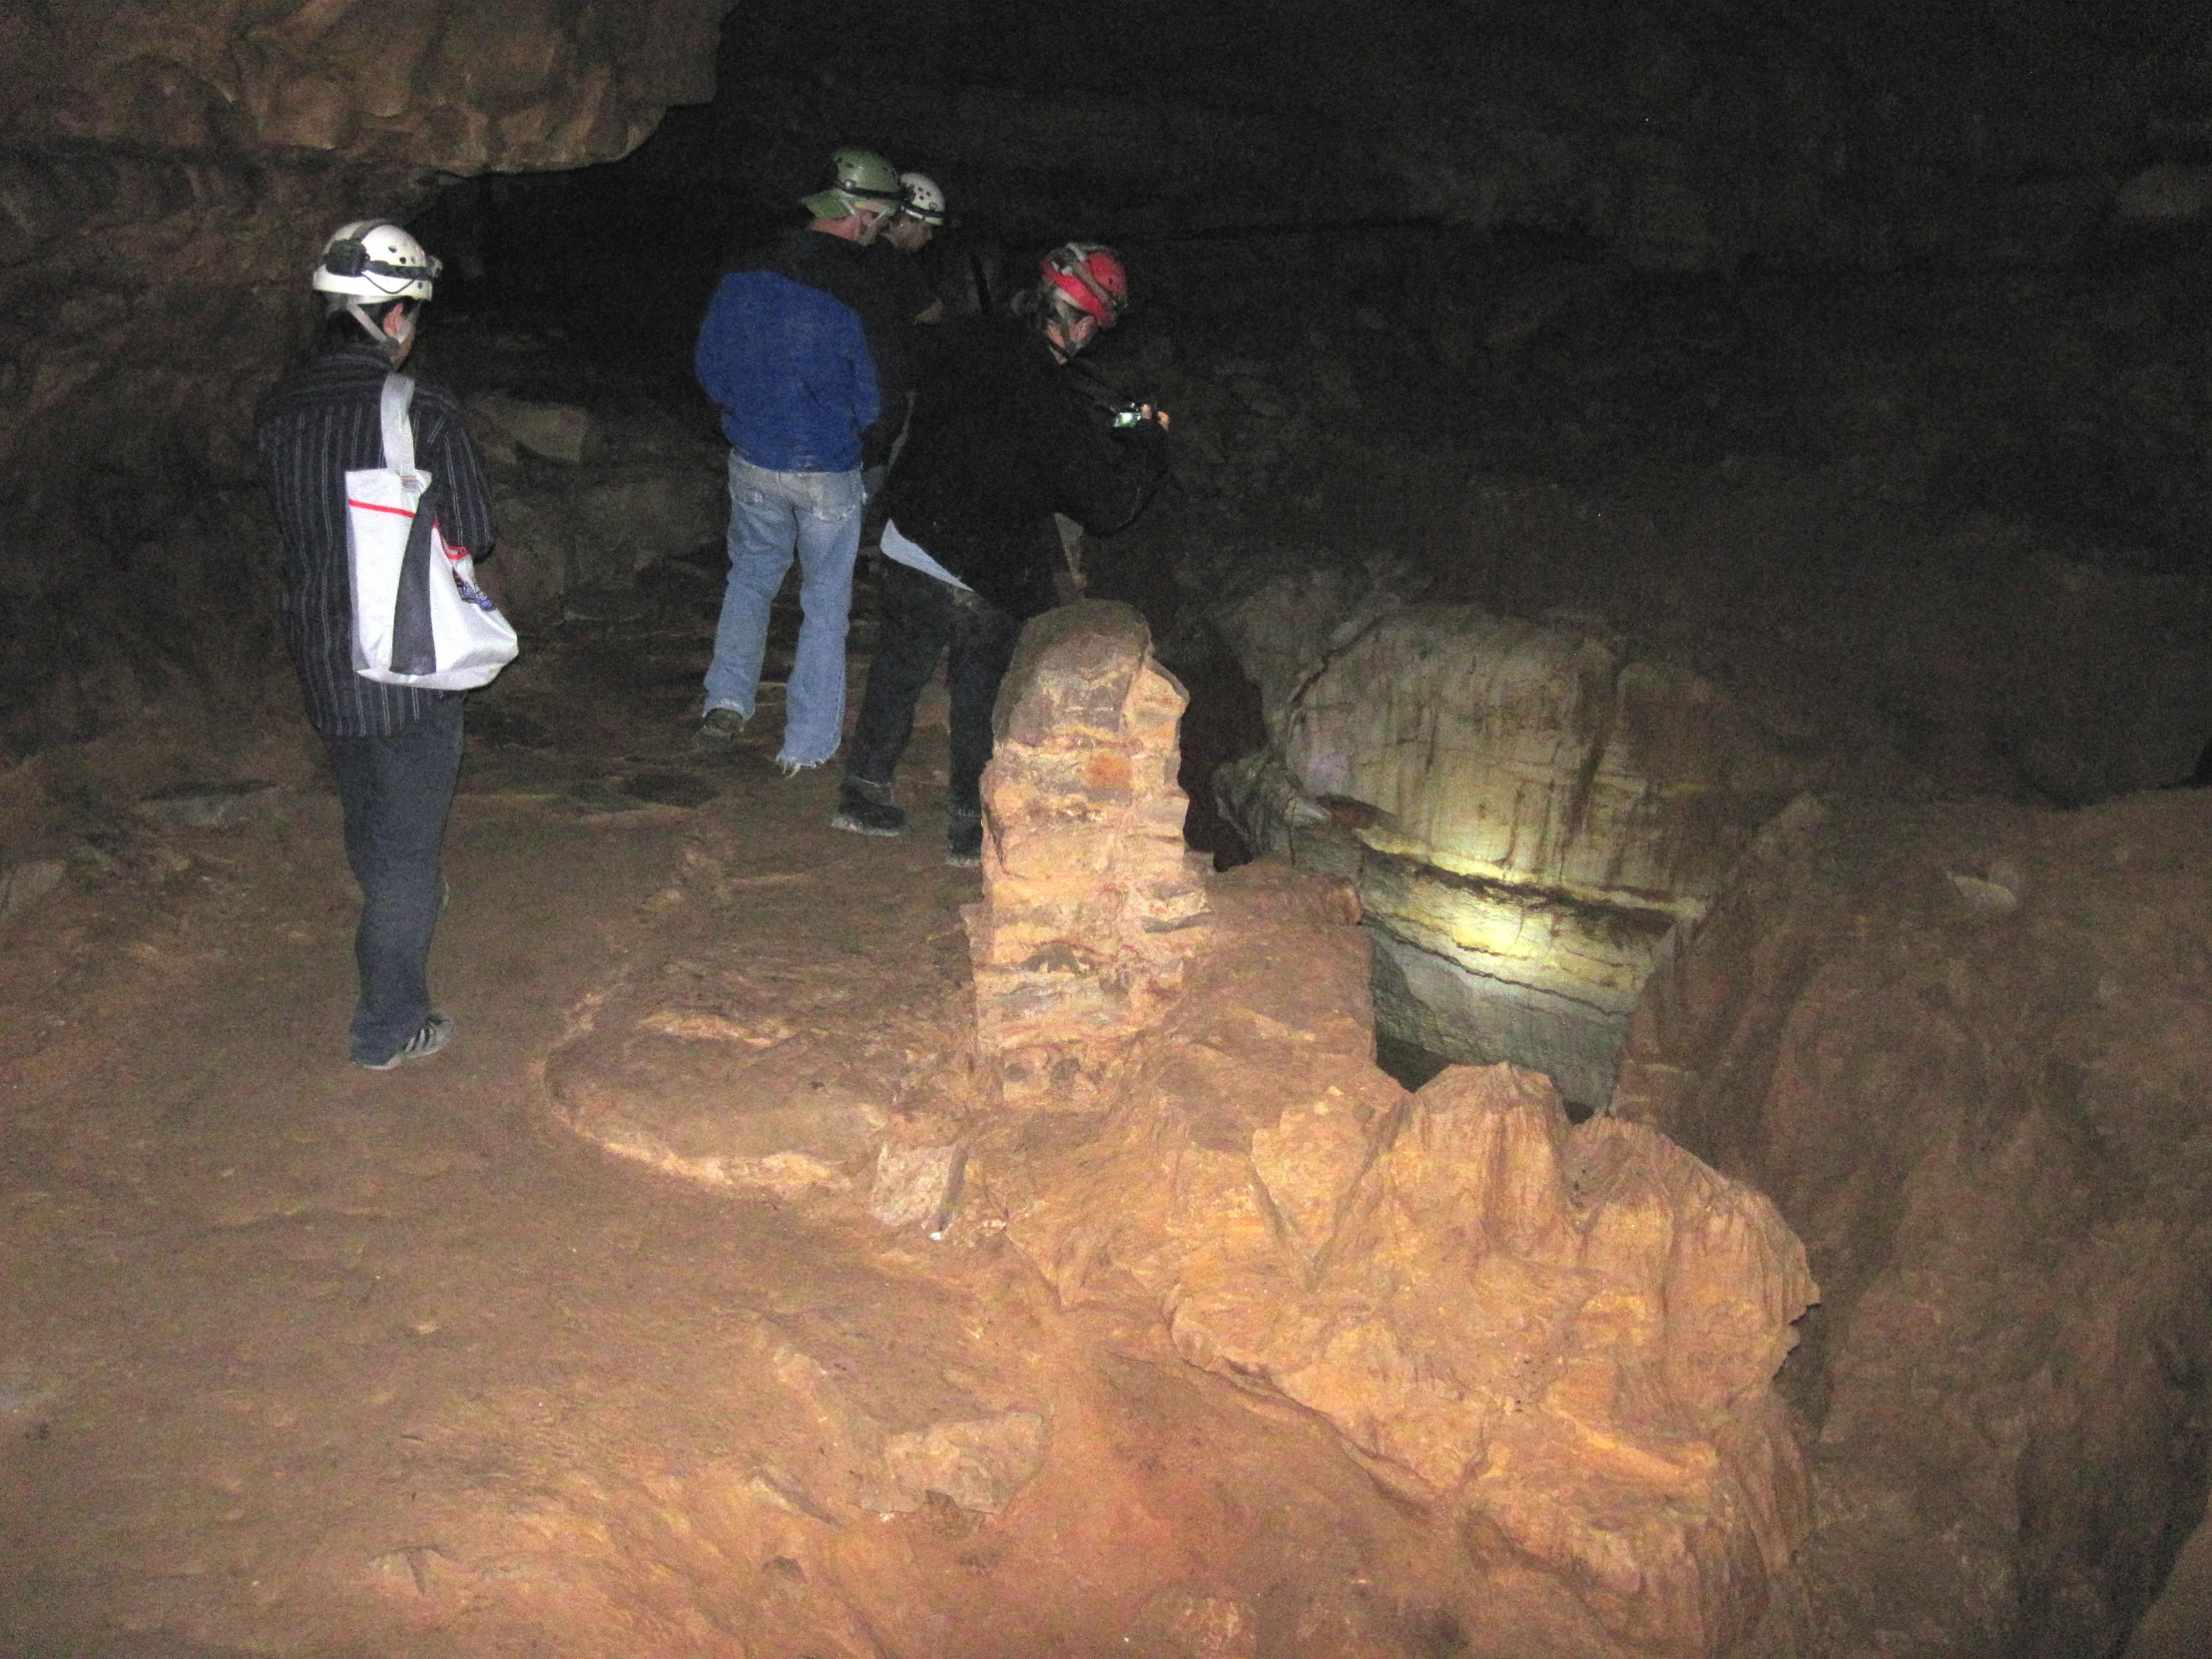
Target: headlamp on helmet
x=372 y=260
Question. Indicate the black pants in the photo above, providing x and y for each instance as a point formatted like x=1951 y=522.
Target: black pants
x=921 y=617
x=397 y=791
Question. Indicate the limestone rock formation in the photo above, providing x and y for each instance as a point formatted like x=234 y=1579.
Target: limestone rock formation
x=1560 y=1339
x=24 y=882
x=1967 y=1049
x=458 y=85
x=880 y=1443
x=1092 y=905
x=1524 y=809
x=507 y=428
x=817 y=1069
x=184 y=162
x=1550 y=1349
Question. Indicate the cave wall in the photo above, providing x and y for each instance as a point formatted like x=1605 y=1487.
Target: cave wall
x=1696 y=134
x=166 y=174
x=1964 y=1048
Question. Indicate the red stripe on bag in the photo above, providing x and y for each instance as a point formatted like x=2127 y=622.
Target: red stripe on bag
x=379 y=507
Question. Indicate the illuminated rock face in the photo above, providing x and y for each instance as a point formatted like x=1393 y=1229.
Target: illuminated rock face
x=1558 y=1342
x=1092 y=903
x=1526 y=810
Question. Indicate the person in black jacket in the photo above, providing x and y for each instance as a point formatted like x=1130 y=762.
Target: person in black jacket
x=1000 y=441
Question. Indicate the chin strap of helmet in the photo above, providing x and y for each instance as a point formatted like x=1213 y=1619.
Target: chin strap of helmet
x=389 y=342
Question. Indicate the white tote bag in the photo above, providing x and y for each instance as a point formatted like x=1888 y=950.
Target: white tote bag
x=419 y=619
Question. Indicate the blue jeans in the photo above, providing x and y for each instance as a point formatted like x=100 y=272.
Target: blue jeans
x=396 y=792
x=772 y=516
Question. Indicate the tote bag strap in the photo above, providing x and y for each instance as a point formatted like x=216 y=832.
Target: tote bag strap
x=393 y=407
x=414 y=645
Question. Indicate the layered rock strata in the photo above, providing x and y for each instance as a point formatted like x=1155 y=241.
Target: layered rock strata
x=1093 y=907
x=1524 y=809
x=1969 y=1051
x=464 y=86
x=168 y=173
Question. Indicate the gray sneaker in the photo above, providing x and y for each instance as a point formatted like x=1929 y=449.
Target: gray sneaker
x=436 y=1032
x=720 y=730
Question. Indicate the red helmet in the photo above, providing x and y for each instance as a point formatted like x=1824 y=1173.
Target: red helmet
x=1091 y=277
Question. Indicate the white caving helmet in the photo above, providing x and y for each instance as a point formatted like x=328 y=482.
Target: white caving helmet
x=372 y=261
x=925 y=203
x=373 y=258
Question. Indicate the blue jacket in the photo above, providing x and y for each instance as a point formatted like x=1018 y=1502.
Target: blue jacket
x=785 y=354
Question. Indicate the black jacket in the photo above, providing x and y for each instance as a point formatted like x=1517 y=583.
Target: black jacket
x=1001 y=440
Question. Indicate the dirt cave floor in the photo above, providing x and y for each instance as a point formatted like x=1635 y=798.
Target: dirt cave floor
x=300 y=1359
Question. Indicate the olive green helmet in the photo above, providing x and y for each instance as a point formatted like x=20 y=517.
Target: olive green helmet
x=862 y=176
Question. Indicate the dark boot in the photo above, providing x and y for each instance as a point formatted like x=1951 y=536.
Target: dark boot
x=866 y=808
x=963 y=838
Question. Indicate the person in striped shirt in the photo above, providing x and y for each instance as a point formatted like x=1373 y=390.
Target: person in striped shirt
x=395 y=750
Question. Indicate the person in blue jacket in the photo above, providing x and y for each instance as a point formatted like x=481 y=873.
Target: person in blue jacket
x=798 y=356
